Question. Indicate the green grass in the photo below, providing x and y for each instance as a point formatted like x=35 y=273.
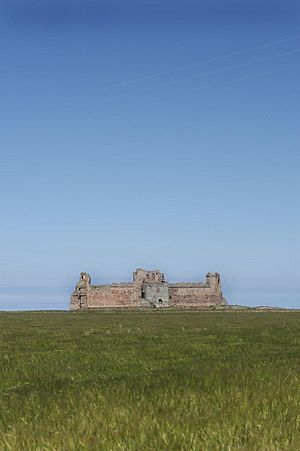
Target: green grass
x=159 y=380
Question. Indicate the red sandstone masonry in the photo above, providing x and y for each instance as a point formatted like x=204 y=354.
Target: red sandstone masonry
x=148 y=289
x=110 y=296
x=192 y=296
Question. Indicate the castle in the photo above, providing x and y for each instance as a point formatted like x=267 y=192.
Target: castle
x=148 y=289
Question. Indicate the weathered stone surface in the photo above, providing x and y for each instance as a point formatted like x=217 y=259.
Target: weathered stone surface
x=148 y=289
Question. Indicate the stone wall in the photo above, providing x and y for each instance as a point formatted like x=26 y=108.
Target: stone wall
x=157 y=294
x=148 y=289
x=111 y=296
x=195 y=294
x=184 y=295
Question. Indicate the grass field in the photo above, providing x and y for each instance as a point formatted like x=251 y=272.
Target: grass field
x=159 y=380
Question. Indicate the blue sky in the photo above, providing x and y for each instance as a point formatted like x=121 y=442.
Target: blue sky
x=149 y=133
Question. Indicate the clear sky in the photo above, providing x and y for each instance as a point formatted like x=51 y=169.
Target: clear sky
x=151 y=133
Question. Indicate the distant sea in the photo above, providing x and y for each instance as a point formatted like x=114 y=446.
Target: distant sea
x=56 y=298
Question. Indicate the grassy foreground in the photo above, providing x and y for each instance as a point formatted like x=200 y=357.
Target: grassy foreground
x=159 y=380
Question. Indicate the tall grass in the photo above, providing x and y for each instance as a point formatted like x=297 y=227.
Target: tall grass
x=159 y=380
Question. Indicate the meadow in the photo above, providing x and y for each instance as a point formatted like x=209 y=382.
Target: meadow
x=157 y=380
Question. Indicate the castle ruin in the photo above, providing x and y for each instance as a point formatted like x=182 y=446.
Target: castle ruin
x=148 y=289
